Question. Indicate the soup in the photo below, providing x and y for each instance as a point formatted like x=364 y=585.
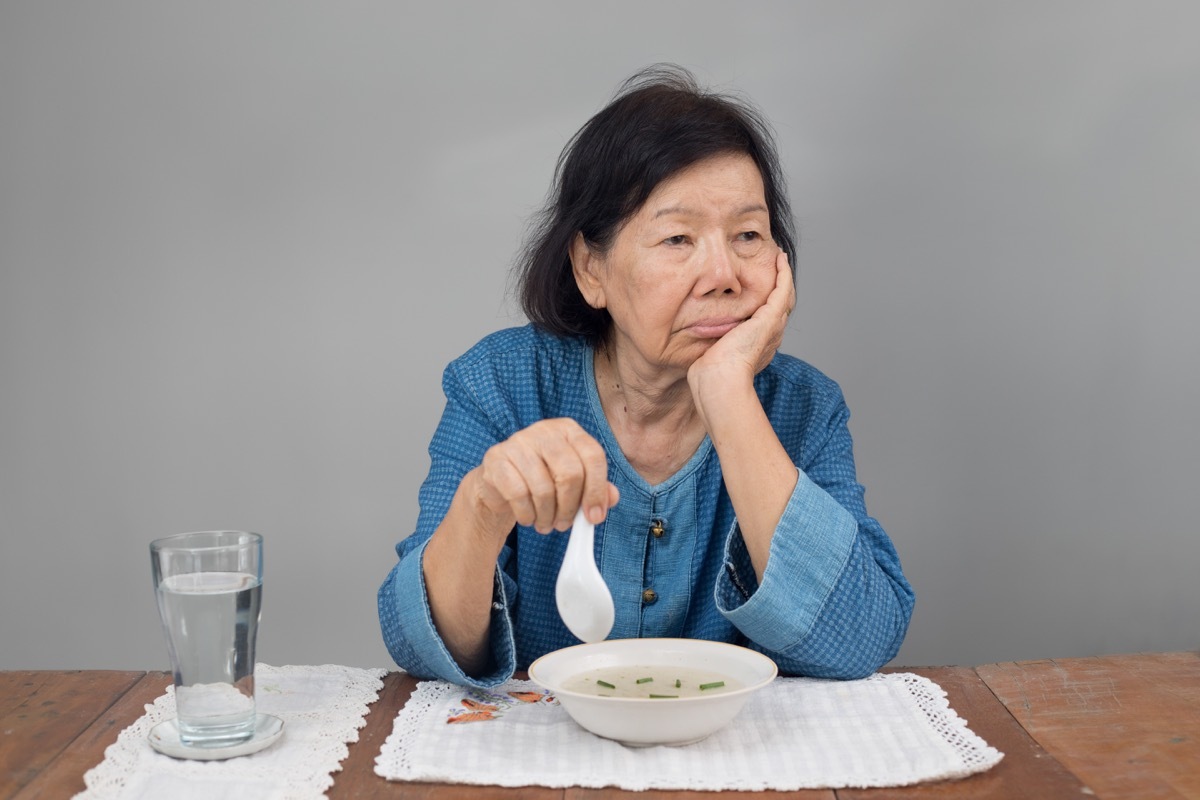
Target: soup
x=662 y=682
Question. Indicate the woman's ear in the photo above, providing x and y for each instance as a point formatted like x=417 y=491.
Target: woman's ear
x=587 y=265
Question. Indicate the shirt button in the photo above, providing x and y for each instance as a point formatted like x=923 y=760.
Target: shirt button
x=657 y=529
x=649 y=596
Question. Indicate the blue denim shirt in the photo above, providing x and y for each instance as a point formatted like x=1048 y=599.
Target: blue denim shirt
x=833 y=601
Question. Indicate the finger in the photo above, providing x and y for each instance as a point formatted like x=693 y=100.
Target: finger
x=785 y=286
x=544 y=492
x=594 y=497
x=567 y=470
x=505 y=479
x=788 y=277
x=525 y=453
x=779 y=300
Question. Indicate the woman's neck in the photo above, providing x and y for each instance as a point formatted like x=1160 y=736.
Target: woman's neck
x=651 y=414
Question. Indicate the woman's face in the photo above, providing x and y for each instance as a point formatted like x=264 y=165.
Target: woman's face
x=692 y=263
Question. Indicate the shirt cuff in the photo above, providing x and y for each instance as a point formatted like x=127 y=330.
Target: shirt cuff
x=417 y=628
x=809 y=550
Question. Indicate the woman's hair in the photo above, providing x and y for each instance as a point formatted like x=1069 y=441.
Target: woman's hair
x=660 y=123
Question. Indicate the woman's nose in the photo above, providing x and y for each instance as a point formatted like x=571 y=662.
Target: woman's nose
x=720 y=271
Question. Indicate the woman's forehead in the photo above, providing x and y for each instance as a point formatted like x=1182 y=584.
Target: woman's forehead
x=730 y=183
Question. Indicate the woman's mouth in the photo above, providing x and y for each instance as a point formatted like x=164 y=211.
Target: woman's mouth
x=713 y=328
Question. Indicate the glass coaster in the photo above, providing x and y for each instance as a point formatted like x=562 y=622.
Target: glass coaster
x=164 y=737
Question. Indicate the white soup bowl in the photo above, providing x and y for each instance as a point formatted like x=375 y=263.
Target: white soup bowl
x=641 y=722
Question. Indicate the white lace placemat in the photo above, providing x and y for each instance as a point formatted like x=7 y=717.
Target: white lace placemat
x=798 y=733
x=322 y=707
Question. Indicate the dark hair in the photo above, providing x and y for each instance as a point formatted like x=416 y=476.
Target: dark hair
x=659 y=123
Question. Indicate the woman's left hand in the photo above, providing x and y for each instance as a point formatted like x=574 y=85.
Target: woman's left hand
x=747 y=349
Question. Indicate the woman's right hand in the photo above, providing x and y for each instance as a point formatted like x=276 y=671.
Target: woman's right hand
x=541 y=476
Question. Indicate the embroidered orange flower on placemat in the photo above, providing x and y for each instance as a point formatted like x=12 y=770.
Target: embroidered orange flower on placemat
x=533 y=697
x=480 y=706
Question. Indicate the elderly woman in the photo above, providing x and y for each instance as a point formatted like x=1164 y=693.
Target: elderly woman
x=649 y=392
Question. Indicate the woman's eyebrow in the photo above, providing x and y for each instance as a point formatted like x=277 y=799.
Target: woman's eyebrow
x=685 y=211
x=681 y=210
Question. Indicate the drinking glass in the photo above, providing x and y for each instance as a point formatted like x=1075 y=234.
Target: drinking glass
x=209 y=589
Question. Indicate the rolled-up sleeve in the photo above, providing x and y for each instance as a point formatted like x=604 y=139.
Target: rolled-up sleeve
x=801 y=573
x=413 y=639
x=833 y=601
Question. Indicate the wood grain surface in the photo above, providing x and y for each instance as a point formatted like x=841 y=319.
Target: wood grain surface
x=43 y=715
x=1130 y=724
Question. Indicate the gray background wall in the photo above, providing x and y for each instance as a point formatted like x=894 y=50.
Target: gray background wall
x=239 y=241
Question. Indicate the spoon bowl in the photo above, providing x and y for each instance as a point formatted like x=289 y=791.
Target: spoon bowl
x=584 y=601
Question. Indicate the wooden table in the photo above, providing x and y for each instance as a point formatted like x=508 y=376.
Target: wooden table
x=1113 y=727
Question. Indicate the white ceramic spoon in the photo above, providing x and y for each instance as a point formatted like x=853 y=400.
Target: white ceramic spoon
x=584 y=602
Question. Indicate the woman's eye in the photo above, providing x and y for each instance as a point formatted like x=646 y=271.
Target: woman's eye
x=748 y=236
x=675 y=240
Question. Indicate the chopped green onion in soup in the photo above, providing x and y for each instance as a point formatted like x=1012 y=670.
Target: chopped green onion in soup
x=639 y=681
